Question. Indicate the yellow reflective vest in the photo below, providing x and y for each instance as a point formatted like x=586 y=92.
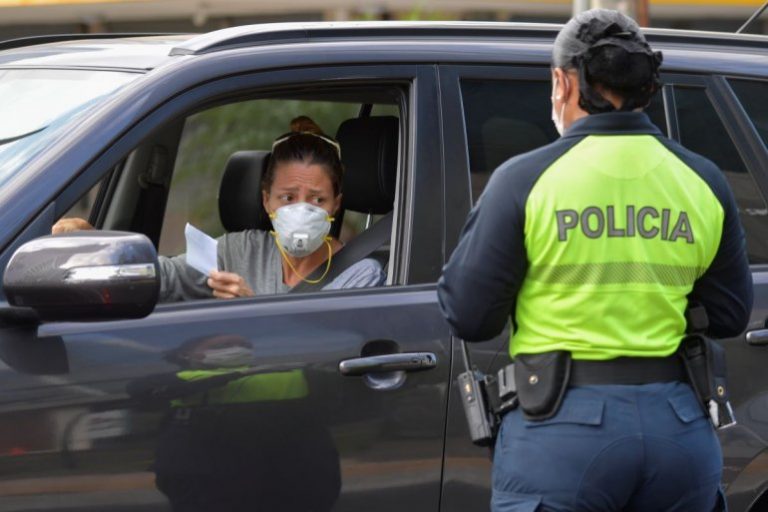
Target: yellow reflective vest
x=596 y=243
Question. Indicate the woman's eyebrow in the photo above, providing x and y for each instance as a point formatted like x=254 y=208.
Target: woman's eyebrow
x=296 y=190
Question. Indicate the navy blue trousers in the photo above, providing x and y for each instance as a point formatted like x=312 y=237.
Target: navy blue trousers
x=610 y=449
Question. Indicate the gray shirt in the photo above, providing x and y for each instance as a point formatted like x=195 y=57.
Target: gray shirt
x=254 y=256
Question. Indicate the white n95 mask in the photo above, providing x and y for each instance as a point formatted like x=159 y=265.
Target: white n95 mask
x=301 y=228
x=557 y=120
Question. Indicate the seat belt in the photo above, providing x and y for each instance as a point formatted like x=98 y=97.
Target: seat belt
x=357 y=249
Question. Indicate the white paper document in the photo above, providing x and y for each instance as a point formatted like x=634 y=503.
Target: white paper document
x=201 y=250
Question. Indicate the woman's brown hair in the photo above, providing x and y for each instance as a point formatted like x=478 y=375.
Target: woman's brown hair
x=308 y=144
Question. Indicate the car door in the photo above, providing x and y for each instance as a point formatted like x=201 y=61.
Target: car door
x=490 y=114
x=112 y=416
x=733 y=141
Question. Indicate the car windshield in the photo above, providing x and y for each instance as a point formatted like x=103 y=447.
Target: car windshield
x=35 y=104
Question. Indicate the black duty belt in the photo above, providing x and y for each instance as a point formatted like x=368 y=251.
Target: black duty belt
x=627 y=371
x=538 y=382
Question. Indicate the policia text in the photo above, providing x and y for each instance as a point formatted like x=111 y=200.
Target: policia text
x=646 y=222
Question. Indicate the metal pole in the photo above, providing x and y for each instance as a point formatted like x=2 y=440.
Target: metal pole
x=580 y=6
x=642 y=13
x=624 y=6
x=637 y=9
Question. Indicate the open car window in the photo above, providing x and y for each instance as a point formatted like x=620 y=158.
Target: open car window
x=208 y=141
x=178 y=176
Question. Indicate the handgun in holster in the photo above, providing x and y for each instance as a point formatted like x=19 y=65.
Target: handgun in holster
x=704 y=361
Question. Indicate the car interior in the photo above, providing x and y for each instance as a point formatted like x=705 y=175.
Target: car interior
x=370 y=164
x=206 y=169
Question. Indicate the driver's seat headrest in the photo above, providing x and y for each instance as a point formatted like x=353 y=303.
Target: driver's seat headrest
x=369 y=154
x=240 y=205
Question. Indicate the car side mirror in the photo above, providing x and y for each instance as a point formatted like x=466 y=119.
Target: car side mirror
x=85 y=275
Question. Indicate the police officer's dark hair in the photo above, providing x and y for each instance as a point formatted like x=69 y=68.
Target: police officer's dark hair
x=306 y=143
x=607 y=49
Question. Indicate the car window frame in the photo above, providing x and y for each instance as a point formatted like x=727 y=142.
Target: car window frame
x=745 y=131
x=413 y=258
x=729 y=79
x=271 y=95
x=458 y=188
x=735 y=120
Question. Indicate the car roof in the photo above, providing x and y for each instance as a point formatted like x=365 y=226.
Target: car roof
x=104 y=51
x=144 y=52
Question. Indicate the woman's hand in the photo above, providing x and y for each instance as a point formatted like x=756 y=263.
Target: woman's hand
x=228 y=285
x=69 y=225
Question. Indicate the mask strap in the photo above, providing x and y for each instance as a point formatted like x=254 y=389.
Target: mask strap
x=562 y=113
x=288 y=260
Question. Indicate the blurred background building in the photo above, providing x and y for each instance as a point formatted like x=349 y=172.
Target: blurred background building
x=35 y=17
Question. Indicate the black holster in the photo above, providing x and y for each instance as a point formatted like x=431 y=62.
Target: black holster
x=485 y=398
x=704 y=362
x=542 y=380
x=502 y=391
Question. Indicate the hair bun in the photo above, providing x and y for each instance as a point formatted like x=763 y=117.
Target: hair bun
x=597 y=29
x=305 y=124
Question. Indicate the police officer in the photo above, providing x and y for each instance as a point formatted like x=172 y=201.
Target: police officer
x=596 y=244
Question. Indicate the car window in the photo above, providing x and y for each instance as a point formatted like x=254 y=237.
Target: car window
x=702 y=131
x=84 y=206
x=175 y=174
x=39 y=105
x=244 y=131
x=503 y=119
x=506 y=118
x=208 y=140
x=655 y=111
x=752 y=94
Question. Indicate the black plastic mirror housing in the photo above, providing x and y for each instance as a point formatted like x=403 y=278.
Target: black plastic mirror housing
x=85 y=275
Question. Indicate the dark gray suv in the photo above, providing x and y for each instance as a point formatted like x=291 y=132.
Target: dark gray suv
x=345 y=400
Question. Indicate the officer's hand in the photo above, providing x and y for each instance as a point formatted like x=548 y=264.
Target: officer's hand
x=228 y=285
x=69 y=225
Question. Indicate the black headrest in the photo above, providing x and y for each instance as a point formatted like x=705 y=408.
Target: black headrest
x=369 y=154
x=240 y=205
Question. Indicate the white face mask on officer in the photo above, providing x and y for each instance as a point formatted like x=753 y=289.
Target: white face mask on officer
x=300 y=228
x=558 y=119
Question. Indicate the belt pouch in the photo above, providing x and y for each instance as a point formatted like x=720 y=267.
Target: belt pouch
x=541 y=381
x=704 y=361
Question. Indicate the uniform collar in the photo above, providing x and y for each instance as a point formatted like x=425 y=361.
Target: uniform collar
x=613 y=123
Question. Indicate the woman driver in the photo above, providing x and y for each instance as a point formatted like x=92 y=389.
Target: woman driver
x=301 y=191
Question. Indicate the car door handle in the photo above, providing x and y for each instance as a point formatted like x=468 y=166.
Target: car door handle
x=757 y=337
x=408 y=362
